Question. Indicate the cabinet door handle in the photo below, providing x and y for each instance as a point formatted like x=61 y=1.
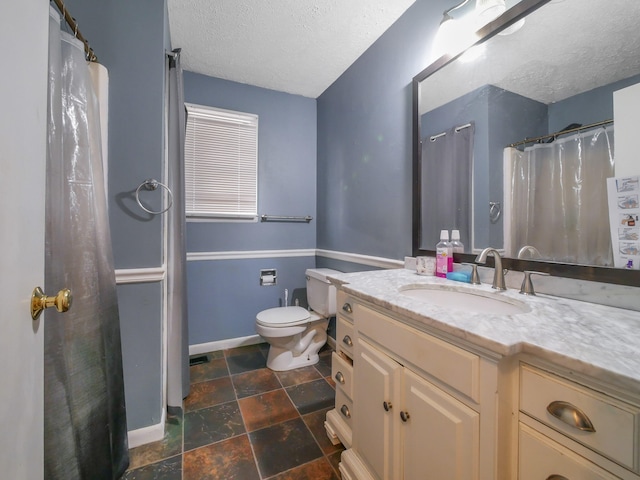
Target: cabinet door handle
x=339 y=378
x=404 y=416
x=387 y=406
x=345 y=411
x=347 y=341
x=571 y=415
x=347 y=308
x=556 y=477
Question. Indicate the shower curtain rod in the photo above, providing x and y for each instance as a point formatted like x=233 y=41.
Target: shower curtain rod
x=562 y=132
x=91 y=56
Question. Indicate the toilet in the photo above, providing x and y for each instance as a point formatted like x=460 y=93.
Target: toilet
x=295 y=334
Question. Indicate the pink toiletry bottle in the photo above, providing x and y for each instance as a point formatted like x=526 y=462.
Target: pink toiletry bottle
x=444 y=255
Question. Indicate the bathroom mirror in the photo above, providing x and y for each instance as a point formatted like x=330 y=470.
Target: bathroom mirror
x=559 y=69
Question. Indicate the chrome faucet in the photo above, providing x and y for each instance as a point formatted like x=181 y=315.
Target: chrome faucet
x=529 y=249
x=498 y=274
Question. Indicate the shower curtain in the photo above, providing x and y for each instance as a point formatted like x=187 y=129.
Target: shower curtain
x=178 y=334
x=558 y=198
x=85 y=424
x=446 y=173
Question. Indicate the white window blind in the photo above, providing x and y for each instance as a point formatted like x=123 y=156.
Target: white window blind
x=221 y=163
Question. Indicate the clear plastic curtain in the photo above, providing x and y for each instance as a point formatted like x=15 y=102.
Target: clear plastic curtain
x=446 y=173
x=85 y=422
x=178 y=334
x=559 y=198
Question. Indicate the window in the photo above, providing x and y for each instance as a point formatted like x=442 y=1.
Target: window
x=221 y=163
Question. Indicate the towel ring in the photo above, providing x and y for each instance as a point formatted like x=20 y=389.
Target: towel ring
x=152 y=184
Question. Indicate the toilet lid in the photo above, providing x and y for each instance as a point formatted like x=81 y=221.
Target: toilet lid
x=282 y=316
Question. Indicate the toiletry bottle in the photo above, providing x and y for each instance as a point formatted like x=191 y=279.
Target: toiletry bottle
x=444 y=255
x=456 y=244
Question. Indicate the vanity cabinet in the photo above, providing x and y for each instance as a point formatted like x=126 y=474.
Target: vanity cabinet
x=570 y=430
x=417 y=403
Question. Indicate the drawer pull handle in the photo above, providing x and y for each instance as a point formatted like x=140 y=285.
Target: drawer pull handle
x=347 y=341
x=571 y=415
x=339 y=377
x=387 y=406
x=347 y=308
x=404 y=416
x=345 y=411
x=556 y=477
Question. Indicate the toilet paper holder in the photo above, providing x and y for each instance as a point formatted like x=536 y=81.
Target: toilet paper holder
x=268 y=277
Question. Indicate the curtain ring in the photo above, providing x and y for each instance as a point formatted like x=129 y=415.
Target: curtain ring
x=152 y=184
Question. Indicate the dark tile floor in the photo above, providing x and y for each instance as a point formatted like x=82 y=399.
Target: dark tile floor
x=243 y=421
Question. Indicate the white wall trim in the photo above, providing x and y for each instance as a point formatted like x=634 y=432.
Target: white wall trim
x=241 y=255
x=223 y=344
x=380 y=262
x=149 y=434
x=140 y=275
x=361 y=259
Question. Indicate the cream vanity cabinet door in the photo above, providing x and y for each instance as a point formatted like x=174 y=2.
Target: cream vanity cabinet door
x=440 y=434
x=377 y=383
x=406 y=427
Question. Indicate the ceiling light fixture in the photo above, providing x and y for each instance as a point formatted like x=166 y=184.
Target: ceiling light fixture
x=457 y=34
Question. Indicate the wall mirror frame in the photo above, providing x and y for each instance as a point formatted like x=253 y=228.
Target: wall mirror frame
x=567 y=270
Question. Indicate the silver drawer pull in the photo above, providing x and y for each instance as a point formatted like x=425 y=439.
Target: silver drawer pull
x=347 y=341
x=556 y=477
x=339 y=378
x=345 y=411
x=571 y=415
x=347 y=308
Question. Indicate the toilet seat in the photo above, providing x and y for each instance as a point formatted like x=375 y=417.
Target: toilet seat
x=283 y=317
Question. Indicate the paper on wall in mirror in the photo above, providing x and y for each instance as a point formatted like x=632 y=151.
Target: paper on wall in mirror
x=624 y=219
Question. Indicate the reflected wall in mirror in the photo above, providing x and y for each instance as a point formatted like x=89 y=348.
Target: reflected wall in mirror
x=562 y=71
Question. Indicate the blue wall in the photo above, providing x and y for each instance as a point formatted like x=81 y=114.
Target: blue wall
x=365 y=141
x=225 y=295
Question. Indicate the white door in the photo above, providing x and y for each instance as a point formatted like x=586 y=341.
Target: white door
x=24 y=28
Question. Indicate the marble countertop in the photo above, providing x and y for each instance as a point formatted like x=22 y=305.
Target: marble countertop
x=596 y=340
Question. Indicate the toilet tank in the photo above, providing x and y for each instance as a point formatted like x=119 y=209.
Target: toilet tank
x=321 y=295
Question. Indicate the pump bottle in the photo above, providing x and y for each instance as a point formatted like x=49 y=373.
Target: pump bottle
x=444 y=255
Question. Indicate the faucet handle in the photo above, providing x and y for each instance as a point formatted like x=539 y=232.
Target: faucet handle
x=475 y=278
x=527 y=285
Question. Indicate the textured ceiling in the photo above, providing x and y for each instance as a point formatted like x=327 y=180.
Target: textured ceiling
x=294 y=46
x=564 y=48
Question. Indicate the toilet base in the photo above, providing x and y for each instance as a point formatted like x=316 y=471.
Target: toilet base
x=282 y=354
x=281 y=360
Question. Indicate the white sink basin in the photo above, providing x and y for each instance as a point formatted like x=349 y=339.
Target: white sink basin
x=467 y=300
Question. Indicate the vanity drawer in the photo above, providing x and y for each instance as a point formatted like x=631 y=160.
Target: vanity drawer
x=614 y=431
x=344 y=304
x=342 y=373
x=541 y=458
x=452 y=365
x=344 y=336
x=344 y=406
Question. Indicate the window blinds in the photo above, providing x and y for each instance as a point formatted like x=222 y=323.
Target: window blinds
x=221 y=163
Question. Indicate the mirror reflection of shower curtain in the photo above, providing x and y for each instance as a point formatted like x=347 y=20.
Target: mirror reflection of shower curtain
x=85 y=429
x=559 y=198
x=446 y=173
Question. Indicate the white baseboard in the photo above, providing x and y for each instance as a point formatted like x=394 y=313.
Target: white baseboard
x=331 y=342
x=152 y=433
x=223 y=344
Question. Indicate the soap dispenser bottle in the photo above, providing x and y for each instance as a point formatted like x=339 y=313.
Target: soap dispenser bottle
x=456 y=244
x=444 y=255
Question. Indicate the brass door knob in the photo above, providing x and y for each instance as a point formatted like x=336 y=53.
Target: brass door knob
x=39 y=301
